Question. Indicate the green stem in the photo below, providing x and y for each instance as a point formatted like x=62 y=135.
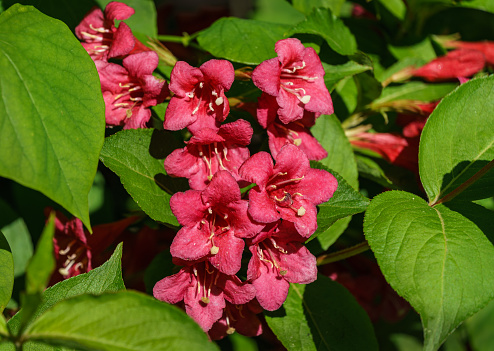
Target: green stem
x=343 y=254
x=185 y=40
x=465 y=185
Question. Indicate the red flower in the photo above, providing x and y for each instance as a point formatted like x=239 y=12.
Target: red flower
x=214 y=221
x=485 y=47
x=289 y=190
x=209 y=151
x=101 y=39
x=204 y=290
x=295 y=78
x=199 y=101
x=296 y=133
x=238 y=318
x=388 y=145
x=130 y=89
x=278 y=259
x=455 y=64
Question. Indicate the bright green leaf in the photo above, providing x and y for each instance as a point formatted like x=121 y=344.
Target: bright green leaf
x=323 y=23
x=484 y=5
x=435 y=258
x=346 y=201
x=137 y=156
x=415 y=91
x=122 y=321
x=422 y=50
x=42 y=264
x=242 y=40
x=396 y=7
x=51 y=110
x=336 y=73
x=276 y=11
x=143 y=21
x=307 y=6
x=6 y=272
x=106 y=278
x=458 y=140
x=322 y=316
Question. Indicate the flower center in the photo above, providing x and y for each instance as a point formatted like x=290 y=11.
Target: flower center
x=131 y=95
x=205 y=281
x=282 y=197
x=75 y=259
x=266 y=253
x=205 y=94
x=217 y=224
x=214 y=156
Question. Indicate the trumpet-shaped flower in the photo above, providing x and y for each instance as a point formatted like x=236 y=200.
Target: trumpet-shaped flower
x=289 y=190
x=204 y=290
x=130 y=89
x=278 y=259
x=296 y=79
x=214 y=221
x=209 y=151
x=199 y=101
x=101 y=39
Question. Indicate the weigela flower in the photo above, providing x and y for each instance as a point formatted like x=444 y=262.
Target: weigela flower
x=296 y=133
x=204 y=290
x=101 y=39
x=485 y=47
x=214 y=221
x=130 y=89
x=455 y=64
x=199 y=101
x=210 y=150
x=278 y=259
x=295 y=78
x=388 y=145
x=289 y=190
x=238 y=318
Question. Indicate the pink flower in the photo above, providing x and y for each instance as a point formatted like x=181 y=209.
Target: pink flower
x=238 y=318
x=388 y=145
x=214 y=221
x=130 y=89
x=210 y=150
x=295 y=78
x=204 y=290
x=455 y=64
x=101 y=39
x=199 y=101
x=278 y=259
x=485 y=47
x=296 y=133
x=289 y=190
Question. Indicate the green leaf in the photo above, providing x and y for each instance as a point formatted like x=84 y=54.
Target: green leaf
x=368 y=89
x=458 y=140
x=307 y=6
x=51 y=110
x=484 y=5
x=479 y=329
x=242 y=40
x=435 y=258
x=346 y=201
x=322 y=316
x=276 y=11
x=415 y=91
x=106 y=278
x=6 y=272
x=143 y=21
x=3 y=327
x=122 y=321
x=137 y=157
x=323 y=23
x=396 y=7
x=370 y=169
x=42 y=264
x=336 y=73
x=422 y=50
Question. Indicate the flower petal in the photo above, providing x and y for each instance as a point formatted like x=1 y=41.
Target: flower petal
x=123 y=41
x=190 y=244
x=188 y=207
x=172 y=289
x=266 y=76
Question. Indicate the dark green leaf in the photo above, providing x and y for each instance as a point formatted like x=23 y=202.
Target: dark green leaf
x=242 y=40
x=323 y=23
x=51 y=110
x=346 y=201
x=458 y=140
x=143 y=21
x=368 y=89
x=6 y=272
x=307 y=6
x=370 y=169
x=422 y=50
x=106 y=278
x=122 y=321
x=479 y=329
x=277 y=11
x=435 y=258
x=137 y=157
x=396 y=7
x=322 y=316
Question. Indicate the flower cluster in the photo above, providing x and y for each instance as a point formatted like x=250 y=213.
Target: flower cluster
x=130 y=89
x=219 y=221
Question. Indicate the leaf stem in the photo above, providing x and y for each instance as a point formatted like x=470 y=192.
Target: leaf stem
x=343 y=254
x=466 y=184
x=185 y=39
